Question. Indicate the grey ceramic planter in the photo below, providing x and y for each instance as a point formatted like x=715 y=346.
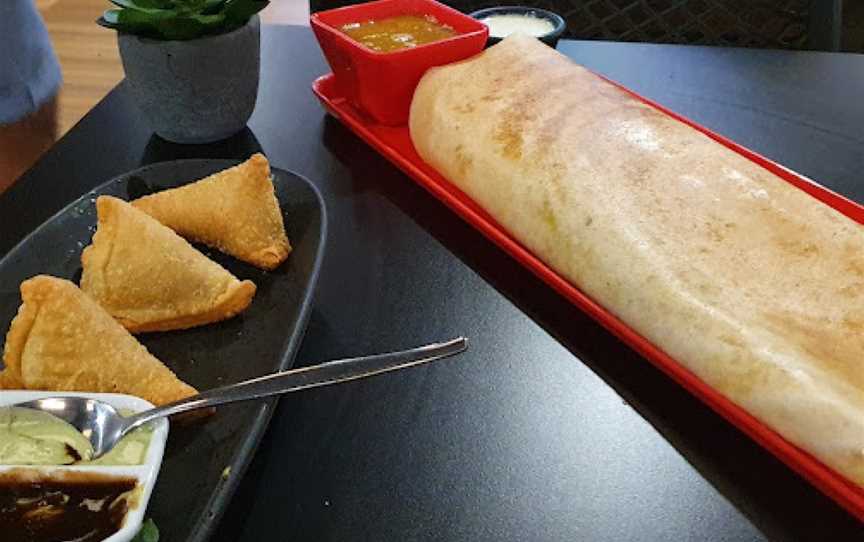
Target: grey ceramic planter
x=195 y=91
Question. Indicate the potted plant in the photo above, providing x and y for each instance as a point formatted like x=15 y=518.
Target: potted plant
x=192 y=66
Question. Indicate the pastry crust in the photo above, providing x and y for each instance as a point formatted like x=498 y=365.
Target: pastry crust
x=235 y=211
x=750 y=283
x=151 y=279
x=9 y=382
x=62 y=340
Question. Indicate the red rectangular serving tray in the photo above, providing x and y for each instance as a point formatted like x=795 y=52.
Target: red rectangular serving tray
x=395 y=144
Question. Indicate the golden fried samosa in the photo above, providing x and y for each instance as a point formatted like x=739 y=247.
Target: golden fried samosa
x=151 y=279
x=235 y=211
x=8 y=381
x=62 y=340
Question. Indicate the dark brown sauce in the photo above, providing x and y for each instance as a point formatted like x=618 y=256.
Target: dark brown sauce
x=83 y=507
x=73 y=453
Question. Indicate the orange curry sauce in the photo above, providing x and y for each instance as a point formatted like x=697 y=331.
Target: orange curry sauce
x=400 y=32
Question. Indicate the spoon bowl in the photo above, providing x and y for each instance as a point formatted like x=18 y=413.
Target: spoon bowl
x=99 y=422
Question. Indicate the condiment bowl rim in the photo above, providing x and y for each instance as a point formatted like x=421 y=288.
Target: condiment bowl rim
x=557 y=20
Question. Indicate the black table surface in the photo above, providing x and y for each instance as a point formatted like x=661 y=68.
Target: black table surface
x=548 y=428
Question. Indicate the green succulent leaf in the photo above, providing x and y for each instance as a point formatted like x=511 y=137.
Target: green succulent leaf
x=237 y=12
x=164 y=25
x=133 y=21
x=179 y=19
x=143 y=5
x=189 y=7
x=213 y=6
x=191 y=27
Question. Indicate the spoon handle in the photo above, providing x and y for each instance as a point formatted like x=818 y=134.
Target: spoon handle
x=332 y=372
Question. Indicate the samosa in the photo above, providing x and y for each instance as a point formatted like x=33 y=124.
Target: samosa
x=234 y=211
x=151 y=279
x=62 y=340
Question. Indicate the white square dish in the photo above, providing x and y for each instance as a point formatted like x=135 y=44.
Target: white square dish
x=145 y=474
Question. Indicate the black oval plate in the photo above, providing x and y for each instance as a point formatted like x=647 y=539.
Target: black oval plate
x=203 y=462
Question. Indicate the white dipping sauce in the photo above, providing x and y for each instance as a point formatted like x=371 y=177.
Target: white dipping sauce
x=501 y=26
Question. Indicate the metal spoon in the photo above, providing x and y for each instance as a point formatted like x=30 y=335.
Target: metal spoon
x=103 y=426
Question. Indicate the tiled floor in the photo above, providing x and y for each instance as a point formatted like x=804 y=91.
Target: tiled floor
x=88 y=53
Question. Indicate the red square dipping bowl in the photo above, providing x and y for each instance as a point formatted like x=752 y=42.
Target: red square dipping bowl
x=382 y=84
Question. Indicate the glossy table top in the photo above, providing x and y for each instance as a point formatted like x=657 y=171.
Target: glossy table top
x=548 y=428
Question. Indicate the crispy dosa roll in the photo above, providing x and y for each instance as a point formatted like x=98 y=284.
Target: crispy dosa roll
x=744 y=279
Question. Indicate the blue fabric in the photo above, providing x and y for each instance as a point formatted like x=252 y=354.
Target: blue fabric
x=29 y=71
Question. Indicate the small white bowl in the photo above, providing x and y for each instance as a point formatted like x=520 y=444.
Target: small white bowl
x=145 y=474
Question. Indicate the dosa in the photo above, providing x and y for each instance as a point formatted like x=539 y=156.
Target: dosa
x=751 y=284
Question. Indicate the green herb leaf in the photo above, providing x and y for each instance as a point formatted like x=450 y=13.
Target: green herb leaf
x=148 y=532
